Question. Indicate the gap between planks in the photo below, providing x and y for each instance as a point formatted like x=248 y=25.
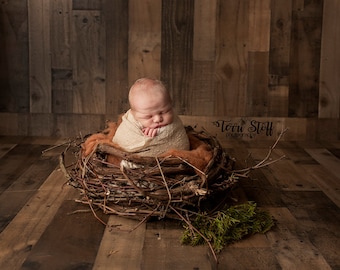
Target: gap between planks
x=31 y=221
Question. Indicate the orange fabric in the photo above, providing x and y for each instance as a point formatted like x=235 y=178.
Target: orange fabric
x=199 y=155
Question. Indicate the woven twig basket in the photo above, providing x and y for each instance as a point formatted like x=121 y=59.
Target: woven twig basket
x=149 y=186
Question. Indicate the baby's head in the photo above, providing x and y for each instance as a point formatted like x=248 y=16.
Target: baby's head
x=150 y=103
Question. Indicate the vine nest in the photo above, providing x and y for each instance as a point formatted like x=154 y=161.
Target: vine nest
x=155 y=186
x=149 y=186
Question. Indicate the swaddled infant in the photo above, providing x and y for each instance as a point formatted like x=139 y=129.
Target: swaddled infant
x=150 y=127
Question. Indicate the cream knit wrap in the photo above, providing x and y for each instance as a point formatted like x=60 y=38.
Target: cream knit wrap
x=130 y=137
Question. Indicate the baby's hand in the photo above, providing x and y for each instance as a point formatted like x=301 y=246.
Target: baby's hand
x=150 y=132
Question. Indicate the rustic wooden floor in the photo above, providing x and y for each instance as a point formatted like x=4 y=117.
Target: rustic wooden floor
x=42 y=227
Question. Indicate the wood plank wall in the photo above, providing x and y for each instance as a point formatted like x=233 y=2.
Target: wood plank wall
x=66 y=65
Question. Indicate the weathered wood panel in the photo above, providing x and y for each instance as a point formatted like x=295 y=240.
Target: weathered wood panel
x=257 y=86
x=329 y=100
x=14 y=94
x=202 y=92
x=87 y=4
x=31 y=221
x=61 y=58
x=66 y=231
x=218 y=58
x=24 y=187
x=290 y=246
x=39 y=56
x=61 y=46
x=117 y=249
x=280 y=38
x=259 y=25
x=258 y=58
x=16 y=162
x=80 y=124
x=162 y=245
x=279 y=57
x=177 y=46
x=62 y=90
x=40 y=124
x=5 y=148
x=88 y=62
x=305 y=60
x=231 y=57
x=278 y=101
x=144 y=39
x=58 y=233
x=204 y=30
x=116 y=27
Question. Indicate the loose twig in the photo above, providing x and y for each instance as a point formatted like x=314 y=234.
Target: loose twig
x=245 y=172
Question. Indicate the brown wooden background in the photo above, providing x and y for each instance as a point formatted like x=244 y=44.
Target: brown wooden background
x=66 y=66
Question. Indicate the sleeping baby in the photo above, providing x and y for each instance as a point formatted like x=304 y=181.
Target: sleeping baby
x=150 y=127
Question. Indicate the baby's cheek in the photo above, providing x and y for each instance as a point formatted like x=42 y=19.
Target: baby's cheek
x=169 y=119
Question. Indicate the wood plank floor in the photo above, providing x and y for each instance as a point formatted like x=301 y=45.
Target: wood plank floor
x=42 y=227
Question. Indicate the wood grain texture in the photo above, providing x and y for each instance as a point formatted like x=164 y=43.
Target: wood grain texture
x=279 y=57
x=210 y=54
x=39 y=55
x=204 y=30
x=51 y=231
x=177 y=47
x=61 y=46
x=88 y=62
x=144 y=39
x=162 y=245
x=61 y=56
x=326 y=182
x=278 y=101
x=66 y=231
x=14 y=94
x=291 y=246
x=82 y=124
x=259 y=25
x=117 y=85
x=305 y=60
x=257 y=86
x=86 y=4
x=5 y=148
x=31 y=221
x=231 y=57
x=280 y=38
x=16 y=162
x=117 y=249
x=329 y=100
x=62 y=90
x=23 y=188
x=202 y=91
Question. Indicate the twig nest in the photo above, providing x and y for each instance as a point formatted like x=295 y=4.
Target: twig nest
x=146 y=186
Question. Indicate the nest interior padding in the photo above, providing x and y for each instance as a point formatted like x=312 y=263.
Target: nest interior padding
x=147 y=186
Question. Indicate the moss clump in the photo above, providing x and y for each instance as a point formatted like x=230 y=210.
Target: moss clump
x=227 y=226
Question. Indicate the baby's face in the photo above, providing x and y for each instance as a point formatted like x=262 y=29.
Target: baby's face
x=153 y=111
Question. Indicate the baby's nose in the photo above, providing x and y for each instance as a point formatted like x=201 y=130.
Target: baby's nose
x=158 y=118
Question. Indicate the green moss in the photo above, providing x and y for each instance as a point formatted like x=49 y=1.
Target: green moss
x=227 y=226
